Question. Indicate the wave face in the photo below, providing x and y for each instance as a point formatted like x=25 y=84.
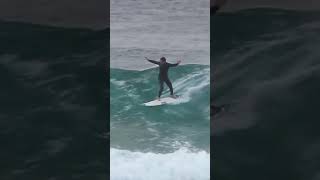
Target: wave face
x=53 y=102
x=160 y=137
x=266 y=67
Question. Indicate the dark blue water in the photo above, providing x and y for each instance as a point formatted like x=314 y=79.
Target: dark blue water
x=266 y=68
x=53 y=102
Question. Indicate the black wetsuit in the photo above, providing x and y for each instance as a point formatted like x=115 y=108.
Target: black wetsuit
x=163 y=75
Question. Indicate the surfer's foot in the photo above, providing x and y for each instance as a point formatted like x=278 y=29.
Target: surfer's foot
x=158 y=98
x=173 y=96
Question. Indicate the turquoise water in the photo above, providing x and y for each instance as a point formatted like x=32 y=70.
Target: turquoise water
x=163 y=128
x=152 y=141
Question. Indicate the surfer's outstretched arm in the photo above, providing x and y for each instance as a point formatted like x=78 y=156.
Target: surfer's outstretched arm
x=175 y=64
x=152 y=61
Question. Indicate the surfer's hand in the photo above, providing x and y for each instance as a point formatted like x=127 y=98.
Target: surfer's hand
x=147 y=58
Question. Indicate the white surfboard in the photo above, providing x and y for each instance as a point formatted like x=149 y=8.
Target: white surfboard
x=162 y=101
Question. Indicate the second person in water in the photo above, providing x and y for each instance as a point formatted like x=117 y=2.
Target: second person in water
x=163 y=74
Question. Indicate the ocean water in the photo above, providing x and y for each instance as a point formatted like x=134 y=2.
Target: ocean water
x=266 y=68
x=165 y=142
x=176 y=29
x=53 y=102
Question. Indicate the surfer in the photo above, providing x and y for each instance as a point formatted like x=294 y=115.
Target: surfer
x=163 y=74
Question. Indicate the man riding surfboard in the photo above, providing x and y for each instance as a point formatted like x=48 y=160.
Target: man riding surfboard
x=163 y=74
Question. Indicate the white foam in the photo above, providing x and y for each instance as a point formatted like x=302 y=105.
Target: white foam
x=191 y=84
x=118 y=83
x=179 y=165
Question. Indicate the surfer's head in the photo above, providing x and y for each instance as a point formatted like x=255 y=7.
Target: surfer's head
x=162 y=59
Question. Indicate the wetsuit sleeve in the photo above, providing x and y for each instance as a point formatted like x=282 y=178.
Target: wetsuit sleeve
x=154 y=62
x=173 y=65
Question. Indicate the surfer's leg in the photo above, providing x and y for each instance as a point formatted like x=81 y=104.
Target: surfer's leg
x=161 y=88
x=169 y=84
